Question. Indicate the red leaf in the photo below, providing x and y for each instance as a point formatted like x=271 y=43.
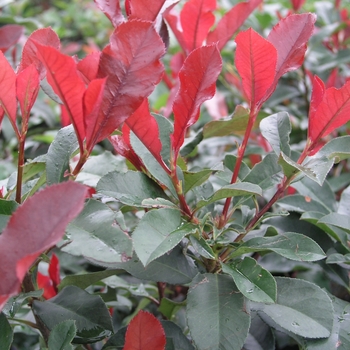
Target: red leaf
x=289 y=37
x=197 y=84
x=111 y=8
x=145 y=127
x=329 y=109
x=62 y=75
x=8 y=89
x=143 y=9
x=131 y=63
x=54 y=270
x=9 y=35
x=196 y=20
x=297 y=4
x=230 y=22
x=27 y=87
x=46 y=37
x=256 y=62
x=88 y=66
x=145 y=332
x=45 y=283
x=38 y=224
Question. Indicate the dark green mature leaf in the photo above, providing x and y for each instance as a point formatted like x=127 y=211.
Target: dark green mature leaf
x=216 y=313
x=276 y=129
x=291 y=245
x=6 y=209
x=62 y=335
x=338 y=258
x=202 y=247
x=337 y=148
x=194 y=179
x=337 y=220
x=15 y=303
x=6 y=333
x=169 y=307
x=91 y=316
x=59 y=154
x=344 y=203
x=116 y=341
x=237 y=189
x=174 y=268
x=175 y=339
x=301 y=308
x=302 y=204
x=94 y=235
x=130 y=188
x=253 y=281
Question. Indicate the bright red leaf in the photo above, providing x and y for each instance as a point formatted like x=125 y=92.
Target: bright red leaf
x=297 y=4
x=111 y=8
x=38 y=224
x=145 y=332
x=132 y=64
x=143 y=9
x=197 y=84
x=329 y=109
x=196 y=19
x=256 y=63
x=9 y=35
x=88 y=66
x=49 y=283
x=230 y=22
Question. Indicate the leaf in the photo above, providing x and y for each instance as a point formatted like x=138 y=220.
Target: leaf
x=301 y=308
x=344 y=203
x=144 y=332
x=195 y=179
x=230 y=22
x=59 y=155
x=6 y=209
x=94 y=235
x=9 y=35
x=337 y=149
x=175 y=339
x=302 y=204
x=6 y=332
x=92 y=319
x=291 y=245
x=130 y=188
x=147 y=10
x=61 y=335
x=256 y=72
x=196 y=19
x=21 y=242
x=237 y=189
x=253 y=281
x=202 y=247
x=88 y=66
x=63 y=76
x=223 y=324
x=112 y=10
x=289 y=37
x=329 y=112
x=276 y=129
x=338 y=220
x=197 y=84
x=132 y=64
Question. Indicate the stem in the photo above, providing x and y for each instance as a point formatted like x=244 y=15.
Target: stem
x=82 y=160
x=20 y=169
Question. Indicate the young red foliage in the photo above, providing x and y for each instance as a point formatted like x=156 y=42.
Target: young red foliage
x=38 y=224
x=256 y=64
x=112 y=10
x=9 y=35
x=49 y=283
x=197 y=84
x=146 y=10
x=231 y=21
x=297 y=4
x=88 y=66
x=145 y=332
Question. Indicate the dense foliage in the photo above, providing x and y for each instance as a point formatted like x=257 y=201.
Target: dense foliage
x=174 y=175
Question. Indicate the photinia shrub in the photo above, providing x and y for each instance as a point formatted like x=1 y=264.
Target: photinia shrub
x=200 y=230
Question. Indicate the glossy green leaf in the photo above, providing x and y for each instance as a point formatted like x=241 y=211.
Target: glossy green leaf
x=276 y=129
x=230 y=162
x=253 y=281
x=59 y=154
x=301 y=308
x=337 y=258
x=6 y=333
x=116 y=341
x=337 y=148
x=6 y=209
x=158 y=203
x=194 y=179
x=15 y=303
x=216 y=313
x=94 y=235
x=302 y=204
x=344 y=203
x=291 y=245
x=62 y=335
x=91 y=316
x=237 y=189
x=169 y=307
x=337 y=220
x=175 y=339
x=130 y=188
x=202 y=247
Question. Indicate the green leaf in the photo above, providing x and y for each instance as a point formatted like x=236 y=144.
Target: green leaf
x=62 y=335
x=158 y=232
x=15 y=303
x=59 y=154
x=6 y=209
x=237 y=189
x=338 y=258
x=165 y=129
x=344 y=203
x=291 y=245
x=337 y=220
x=94 y=235
x=116 y=341
x=337 y=149
x=130 y=188
x=276 y=129
x=169 y=307
x=301 y=308
x=202 y=247
x=216 y=313
x=191 y=144
x=230 y=162
x=6 y=333
x=158 y=203
x=91 y=316
x=175 y=339
x=302 y=204
x=86 y=280
x=194 y=179
x=235 y=124
x=173 y=268
x=253 y=281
